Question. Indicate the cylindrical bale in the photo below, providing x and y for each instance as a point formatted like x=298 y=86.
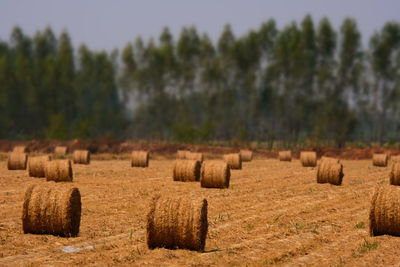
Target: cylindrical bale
x=61 y=150
x=81 y=156
x=246 y=155
x=308 y=158
x=17 y=161
x=331 y=172
x=52 y=209
x=395 y=173
x=285 y=155
x=395 y=158
x=181 y=154
x=384 y=215
x=20 y=149
x=37 y=165
x=194 y=156
x=59 y=170
x=379 y=160
x=140 y=159
x=177 y=222
x=215 y=174
x=186 y=170
x=234 y=161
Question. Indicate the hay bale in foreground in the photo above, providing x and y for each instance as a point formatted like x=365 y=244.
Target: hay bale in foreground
x=380 y=160
x=384 y=215
x=330 y=171
x=81 y=156
x=285 y=155
x=234 y=161
x=246 y=155
x=17 y=161
x=194 y=156
x=308 y=158
x=140 y=159
x=186 y=170
x=61 y=150
x=20 y=149
x=37 y=165
x=215 y=174
x=181 y=154
x=59 y=170
x=174 y=222
x=395 y=173
x=52 y=209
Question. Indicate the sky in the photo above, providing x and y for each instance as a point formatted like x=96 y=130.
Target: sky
x=106 y=24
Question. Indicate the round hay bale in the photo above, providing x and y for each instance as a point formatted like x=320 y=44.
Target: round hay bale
x=20 y=149
x=246 y=155
x=61 y=150
x=308 y=158
x=380 y=160
x=194 y=156
x=395 y=158
x=186 y=170
x=215 y=174
x=181 y=154
x=81 y=156
x=140 y=159
x=17 y=161
x=52 y=209
x=384 y=215
x=36 y=166
x=330 y=171
x=395 y=173
x=174 y=222
x=59 y=170
x=285 y=155
x=234 y=161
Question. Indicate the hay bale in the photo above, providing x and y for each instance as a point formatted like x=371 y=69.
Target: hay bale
x=177 y=222
x=215 y=174
x=59 y=170
x=52 y=209
x=140 y=159
x=194 y=156
x=234 y=161
x=330 y=171
x=285 y=155
x=181 y=154
x=395 y=158
x=36 y=166
x=17 y=161
x=186 y=170
x=81 y=157
x=379 y=160
x=384 y=215
x=20 y=149
x=246 y=155
x=395 y=173
x=308 y=158
x=61 y=150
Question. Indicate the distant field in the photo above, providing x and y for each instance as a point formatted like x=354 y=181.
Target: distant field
x=273 y=213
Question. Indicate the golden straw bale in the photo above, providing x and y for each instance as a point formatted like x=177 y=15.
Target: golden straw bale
x=330 y=171
x=61 y=150
x=36 y=166
x=20 y=149
x=234 y=161
x=308 y=158
x=59 y=170
x=285 y=155
x=52 y=209
x=395 y=173
x=186 y=170
x=246 y=155
x=181 y=154
x=82 y=156
x=384 y=215
x=380 y=160
x=140 y=159
x=177 y=222
x=194 y=156
x=17 y=161
x=395 y=158
x=215 y=174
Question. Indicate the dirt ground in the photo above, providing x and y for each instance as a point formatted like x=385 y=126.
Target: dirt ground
x=274 y=213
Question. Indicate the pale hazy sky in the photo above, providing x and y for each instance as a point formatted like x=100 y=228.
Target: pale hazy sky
x=103 y=24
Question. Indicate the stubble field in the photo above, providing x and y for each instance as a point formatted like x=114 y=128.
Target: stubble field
x=274 y=213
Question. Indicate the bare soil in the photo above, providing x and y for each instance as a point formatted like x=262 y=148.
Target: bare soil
x=274 y=213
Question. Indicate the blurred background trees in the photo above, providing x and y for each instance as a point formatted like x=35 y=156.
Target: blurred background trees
x=306 y=81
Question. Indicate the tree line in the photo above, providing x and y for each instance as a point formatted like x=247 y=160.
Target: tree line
x=306 y=81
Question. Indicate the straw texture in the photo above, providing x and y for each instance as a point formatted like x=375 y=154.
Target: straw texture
x=215 y=174
x=285 y=155
x=308 y=158
x=81 y=157
x=37 y=165
x=234 y=161
x=140 y=159
x=186 y=170
x=17 y=161
x=59 y=170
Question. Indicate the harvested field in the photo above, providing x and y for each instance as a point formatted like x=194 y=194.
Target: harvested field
x=273 y=213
